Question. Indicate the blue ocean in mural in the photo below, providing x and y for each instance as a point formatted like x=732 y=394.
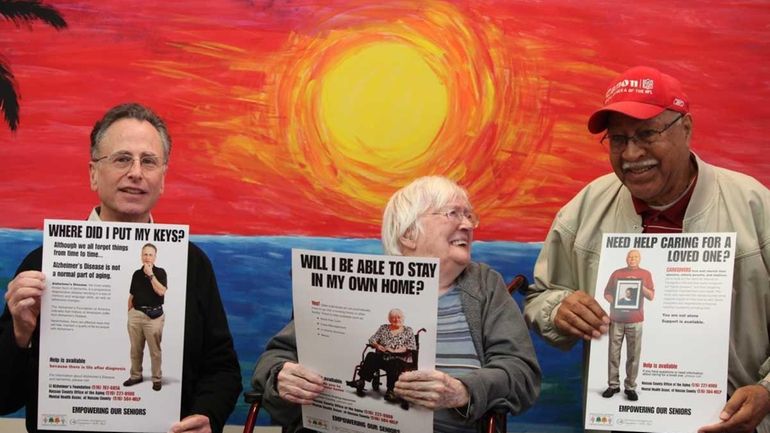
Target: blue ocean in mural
x=253 y=275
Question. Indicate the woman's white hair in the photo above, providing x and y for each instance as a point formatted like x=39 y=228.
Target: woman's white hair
x=408 y=204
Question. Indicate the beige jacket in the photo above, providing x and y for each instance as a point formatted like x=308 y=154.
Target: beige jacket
x=723 y=201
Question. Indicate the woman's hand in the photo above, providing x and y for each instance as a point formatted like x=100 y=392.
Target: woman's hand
x=298 y=384
x=431 y=389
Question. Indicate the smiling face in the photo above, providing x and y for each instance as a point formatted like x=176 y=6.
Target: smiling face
x=633 y=258
x=658 y=172
x=129 y=194
x=396 y=319
x=445 y=238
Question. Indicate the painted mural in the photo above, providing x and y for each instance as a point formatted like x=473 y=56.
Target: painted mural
x=293 y=122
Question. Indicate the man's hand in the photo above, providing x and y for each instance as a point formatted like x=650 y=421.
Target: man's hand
x=147 y=268
x=23 y=301
x=431 y=389
x=649 y=294
x=298 y=384
x=192 y=424
x=743 y=412
x=580 y=315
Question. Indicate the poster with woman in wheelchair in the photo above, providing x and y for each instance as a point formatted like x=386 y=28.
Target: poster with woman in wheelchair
x=393 y=349
x=474 y=328
x=340 y=303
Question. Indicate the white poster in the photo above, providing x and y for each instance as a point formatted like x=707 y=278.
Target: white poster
x=663 y=365
x=341 y=301
x=92 y=271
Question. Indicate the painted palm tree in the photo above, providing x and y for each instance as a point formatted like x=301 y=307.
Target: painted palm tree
x=21 y=12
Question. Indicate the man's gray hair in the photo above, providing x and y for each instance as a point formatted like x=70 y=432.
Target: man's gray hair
x=131 y=110
x=408 y=204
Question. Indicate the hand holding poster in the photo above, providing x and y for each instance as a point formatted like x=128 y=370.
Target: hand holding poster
x=668 y=298
x=360 y=321
x=112 y=289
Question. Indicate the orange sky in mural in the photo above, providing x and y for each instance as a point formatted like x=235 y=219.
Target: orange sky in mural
x=303 y=117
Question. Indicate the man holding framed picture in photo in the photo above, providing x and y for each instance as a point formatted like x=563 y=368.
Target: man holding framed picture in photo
x=626 y=291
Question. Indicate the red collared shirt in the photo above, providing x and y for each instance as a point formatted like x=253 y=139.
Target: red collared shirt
x=664 y=221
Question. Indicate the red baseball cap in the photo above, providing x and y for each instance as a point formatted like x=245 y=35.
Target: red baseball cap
x=642 y=93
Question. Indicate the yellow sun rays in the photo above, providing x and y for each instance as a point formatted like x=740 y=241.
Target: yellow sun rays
x=388 y=94
x=363 y=100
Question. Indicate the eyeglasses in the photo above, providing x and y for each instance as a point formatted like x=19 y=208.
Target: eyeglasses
x=125 y=160
x=458 y=215
x=645 y=137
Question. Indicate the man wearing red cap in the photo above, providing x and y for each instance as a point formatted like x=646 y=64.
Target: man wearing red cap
x=660 y=186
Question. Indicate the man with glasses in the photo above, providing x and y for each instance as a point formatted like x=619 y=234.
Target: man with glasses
x=130 y=149
x=660 y=186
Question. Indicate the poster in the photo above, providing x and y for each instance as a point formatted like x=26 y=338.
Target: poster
x=85 y=350
x=340 y=302
x=668 y=297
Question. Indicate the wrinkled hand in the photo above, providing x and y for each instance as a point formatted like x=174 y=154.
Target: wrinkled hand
x=298 y=384
x=581 y=316
x=192 y=424
x=743 y=412
x=431 y=389
x=147 y=268
x=23 y=301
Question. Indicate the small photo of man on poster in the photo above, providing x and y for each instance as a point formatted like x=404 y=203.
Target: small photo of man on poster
x=146 y=317
x=626 y=291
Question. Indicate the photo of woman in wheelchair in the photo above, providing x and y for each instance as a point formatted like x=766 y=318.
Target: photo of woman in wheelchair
x=485 y=360
x=394 y=352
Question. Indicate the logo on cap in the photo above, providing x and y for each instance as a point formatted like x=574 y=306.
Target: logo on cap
x=640 y=92
x=644 y=87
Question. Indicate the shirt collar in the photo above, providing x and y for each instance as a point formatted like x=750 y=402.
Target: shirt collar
x=94 y=215
x=668 y=220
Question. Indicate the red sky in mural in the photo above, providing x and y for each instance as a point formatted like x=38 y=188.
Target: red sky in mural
x=302 y=117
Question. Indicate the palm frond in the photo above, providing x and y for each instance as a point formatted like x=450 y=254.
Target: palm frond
x=27 y=11
x=9 y=97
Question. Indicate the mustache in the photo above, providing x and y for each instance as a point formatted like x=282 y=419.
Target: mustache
x=639 y=164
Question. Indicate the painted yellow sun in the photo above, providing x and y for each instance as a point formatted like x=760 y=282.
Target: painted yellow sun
x=382 y=105
x=370 y=98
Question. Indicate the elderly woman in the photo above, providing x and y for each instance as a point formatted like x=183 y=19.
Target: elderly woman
x=393 y=344
x=485 y=357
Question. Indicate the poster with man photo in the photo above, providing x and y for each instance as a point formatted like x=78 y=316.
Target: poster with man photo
x=361 y=320
x=662 y=366
x=112 y=326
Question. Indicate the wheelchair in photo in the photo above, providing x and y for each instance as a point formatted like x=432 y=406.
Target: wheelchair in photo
x=385 y=367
